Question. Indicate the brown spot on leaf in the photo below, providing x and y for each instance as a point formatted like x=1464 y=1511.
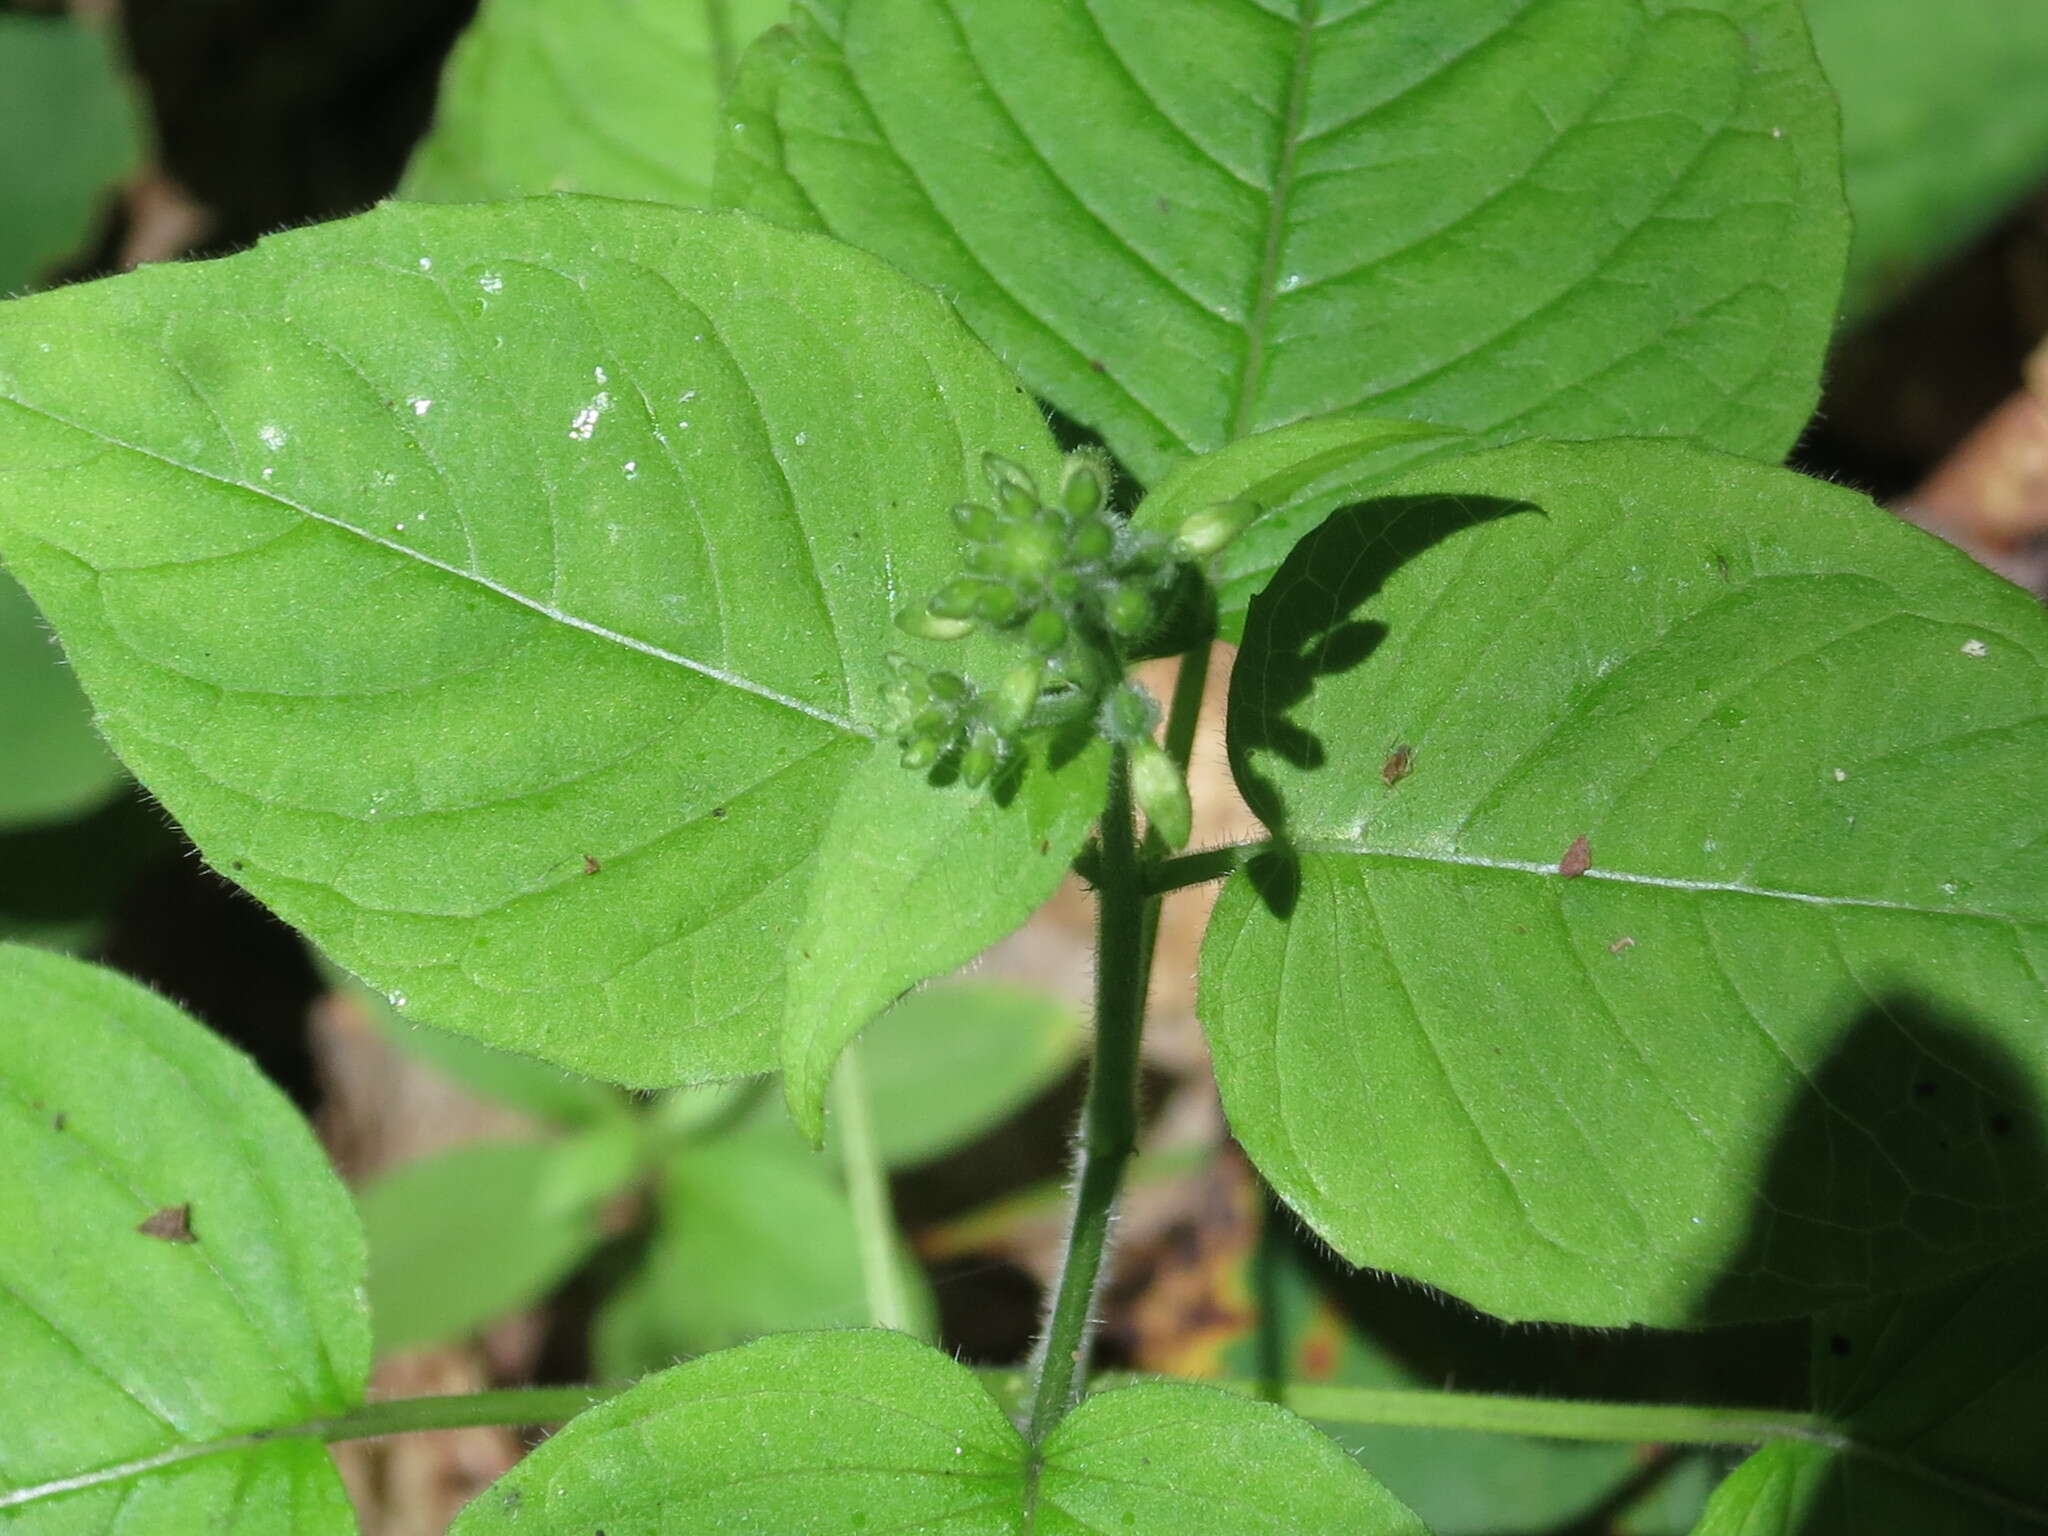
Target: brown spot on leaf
x=1577 y=859
x=590 y=865
x=718 y=813
x=1624 y=942
x=1098 y=365
x=1399 y=764
x=59 y=1120
x=172 y=1224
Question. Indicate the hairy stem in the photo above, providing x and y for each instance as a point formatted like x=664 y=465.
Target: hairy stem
x=867 y=1190
x=1109 y=1119
x=1200 y=867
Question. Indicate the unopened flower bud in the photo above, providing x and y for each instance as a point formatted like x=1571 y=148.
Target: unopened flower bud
x=1046 y=631
x=975 y=520
x=1212 y=529
x=1018 y=696
x=1128 y=612
x=977 y=762
x=1093 y=540
x=1161 y=791
x=1081 y=488
x=926 y=625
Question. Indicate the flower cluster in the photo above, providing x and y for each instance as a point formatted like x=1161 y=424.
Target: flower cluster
x=1074 y=584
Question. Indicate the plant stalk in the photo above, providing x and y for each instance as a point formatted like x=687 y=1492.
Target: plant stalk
x=867 y=1191
x=1109 y=1119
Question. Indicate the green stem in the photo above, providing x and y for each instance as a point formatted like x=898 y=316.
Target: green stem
x=1109 y=1119
x=867 y=1190
x=1200 y=867
x=402 y=1416
x=1184 y=713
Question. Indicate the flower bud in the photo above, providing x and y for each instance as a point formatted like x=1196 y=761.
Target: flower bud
x=927 y=625
x=977 y=762
x=1001 y=472
x=1046 y=631
x=1128 y=612
x=998 y=605
x=920 y=753
x=956 y=599
x=1081 y=487
x=951 y=687
x=1093 y=540
x=975 y=520
x=933 y=725
x=1017 y=503
x=1210 y=530
x=1161 y=792
x=1018 y=696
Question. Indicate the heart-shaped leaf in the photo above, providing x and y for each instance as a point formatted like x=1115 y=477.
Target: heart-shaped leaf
x=805 y=1434
x=1939 y=1401
x=618 y=97
x=1185 y=221
x=178 y=1265
x=1662 y=931
x=504 y=594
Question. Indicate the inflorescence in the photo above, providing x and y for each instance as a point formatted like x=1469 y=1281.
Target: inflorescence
x=1075 y=584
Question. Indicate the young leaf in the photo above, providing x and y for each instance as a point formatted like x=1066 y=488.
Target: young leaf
x=178 y=1264
x=1940 y=1399
x=753 y=1235
x=958 y=1058
x=828 y=1432
x=67 y=135
x=618 y=97
x=51 y=763
x=504 y=595
x=1692 y=969
x=1294 y=477
x=462 y=1238
x=1944 y=125
x=1183 y=222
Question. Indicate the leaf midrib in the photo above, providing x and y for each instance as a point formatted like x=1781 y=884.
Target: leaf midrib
x=531 y=604
x=1629 y=877
x=1278 y=199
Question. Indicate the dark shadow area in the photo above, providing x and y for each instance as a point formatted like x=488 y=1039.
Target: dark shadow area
x=1916 y=1149
x=71 y=874
x=1921 y=1118
x=1306 y=628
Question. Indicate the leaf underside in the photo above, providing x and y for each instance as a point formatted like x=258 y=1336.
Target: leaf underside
x=503 y=594
x=1780 y=1045
x=1189 y=221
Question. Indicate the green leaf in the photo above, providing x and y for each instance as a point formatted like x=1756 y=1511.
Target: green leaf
x=1777 y=1048
x=1942 y=1397
x=855 y=954
x=1295 y=476
x=957 y=1059
x=618 y=97
x=753 y=1235
x=532 y=1087
x=829 y=1432
x=503 y=595
x=459 y=1239
x=1944 y=125
x=244 y=1314
x=1185 y=221
x=51 y=764
x=67 y=134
